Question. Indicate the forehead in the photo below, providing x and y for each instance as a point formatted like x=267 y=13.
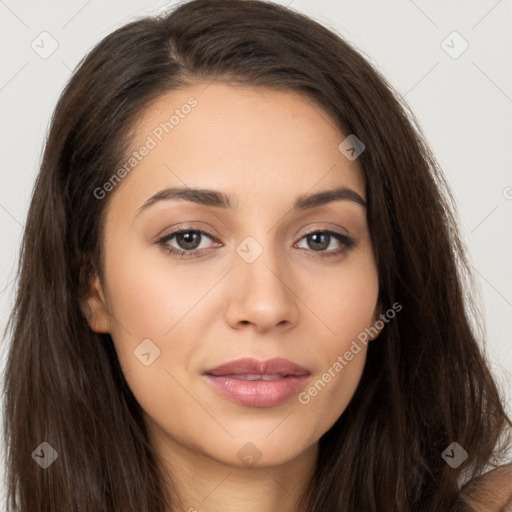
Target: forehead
x=254 y=143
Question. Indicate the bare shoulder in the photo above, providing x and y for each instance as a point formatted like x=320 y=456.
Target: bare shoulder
x=490 y=492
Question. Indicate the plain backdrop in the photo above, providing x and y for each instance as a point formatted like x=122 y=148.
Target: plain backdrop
x=450 y=60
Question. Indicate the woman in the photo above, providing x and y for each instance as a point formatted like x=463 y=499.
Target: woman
x=242 y=287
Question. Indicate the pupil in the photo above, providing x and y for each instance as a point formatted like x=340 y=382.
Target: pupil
x=324 y=245
x=187 y=238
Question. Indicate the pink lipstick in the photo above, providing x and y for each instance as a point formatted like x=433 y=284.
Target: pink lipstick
x=258 y=383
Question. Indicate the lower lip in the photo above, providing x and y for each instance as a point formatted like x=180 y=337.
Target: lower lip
x=257 y=393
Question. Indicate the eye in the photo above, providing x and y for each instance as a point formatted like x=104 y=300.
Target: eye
x=190 y=240
x=320 y=240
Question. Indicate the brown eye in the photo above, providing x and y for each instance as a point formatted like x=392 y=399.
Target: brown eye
x=188 y=241
x=320 y=240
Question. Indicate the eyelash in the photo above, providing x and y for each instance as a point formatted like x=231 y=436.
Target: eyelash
x=346 y=242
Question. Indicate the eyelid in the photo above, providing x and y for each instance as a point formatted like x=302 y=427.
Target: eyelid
x=185 y=229
x=325 y=229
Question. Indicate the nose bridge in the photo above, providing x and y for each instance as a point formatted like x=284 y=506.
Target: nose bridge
x=262 y=261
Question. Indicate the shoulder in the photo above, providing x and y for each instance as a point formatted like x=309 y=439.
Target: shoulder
x=490 y=492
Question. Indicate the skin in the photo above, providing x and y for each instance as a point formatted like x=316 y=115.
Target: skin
x=491 y=492
x=264 y=148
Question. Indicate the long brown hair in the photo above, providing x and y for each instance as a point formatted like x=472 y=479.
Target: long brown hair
x=426 y=382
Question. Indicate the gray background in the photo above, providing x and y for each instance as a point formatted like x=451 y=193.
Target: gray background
x=463 y=102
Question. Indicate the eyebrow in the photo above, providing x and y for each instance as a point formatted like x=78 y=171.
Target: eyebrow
x=214 y=198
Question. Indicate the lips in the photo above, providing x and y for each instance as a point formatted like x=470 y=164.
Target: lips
x=258 y=383
x=249 y=366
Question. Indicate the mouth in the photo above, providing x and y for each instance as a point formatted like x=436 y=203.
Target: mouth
x=256 y=383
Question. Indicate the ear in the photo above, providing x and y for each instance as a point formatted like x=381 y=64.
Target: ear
x=94 y=307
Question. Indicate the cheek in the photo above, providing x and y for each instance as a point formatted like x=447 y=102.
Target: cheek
x=147 y=295
x=150 y=302
x=142 y=303
x=345 y=299
x=343 y=356
x=153 y=298
x=331 y=390
x=346 y=306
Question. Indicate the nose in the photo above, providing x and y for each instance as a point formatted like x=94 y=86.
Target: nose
x=262 y=292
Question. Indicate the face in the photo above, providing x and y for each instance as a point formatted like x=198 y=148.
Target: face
x=262 y=278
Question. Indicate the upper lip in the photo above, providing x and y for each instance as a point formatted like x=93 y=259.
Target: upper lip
x=250 y=366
